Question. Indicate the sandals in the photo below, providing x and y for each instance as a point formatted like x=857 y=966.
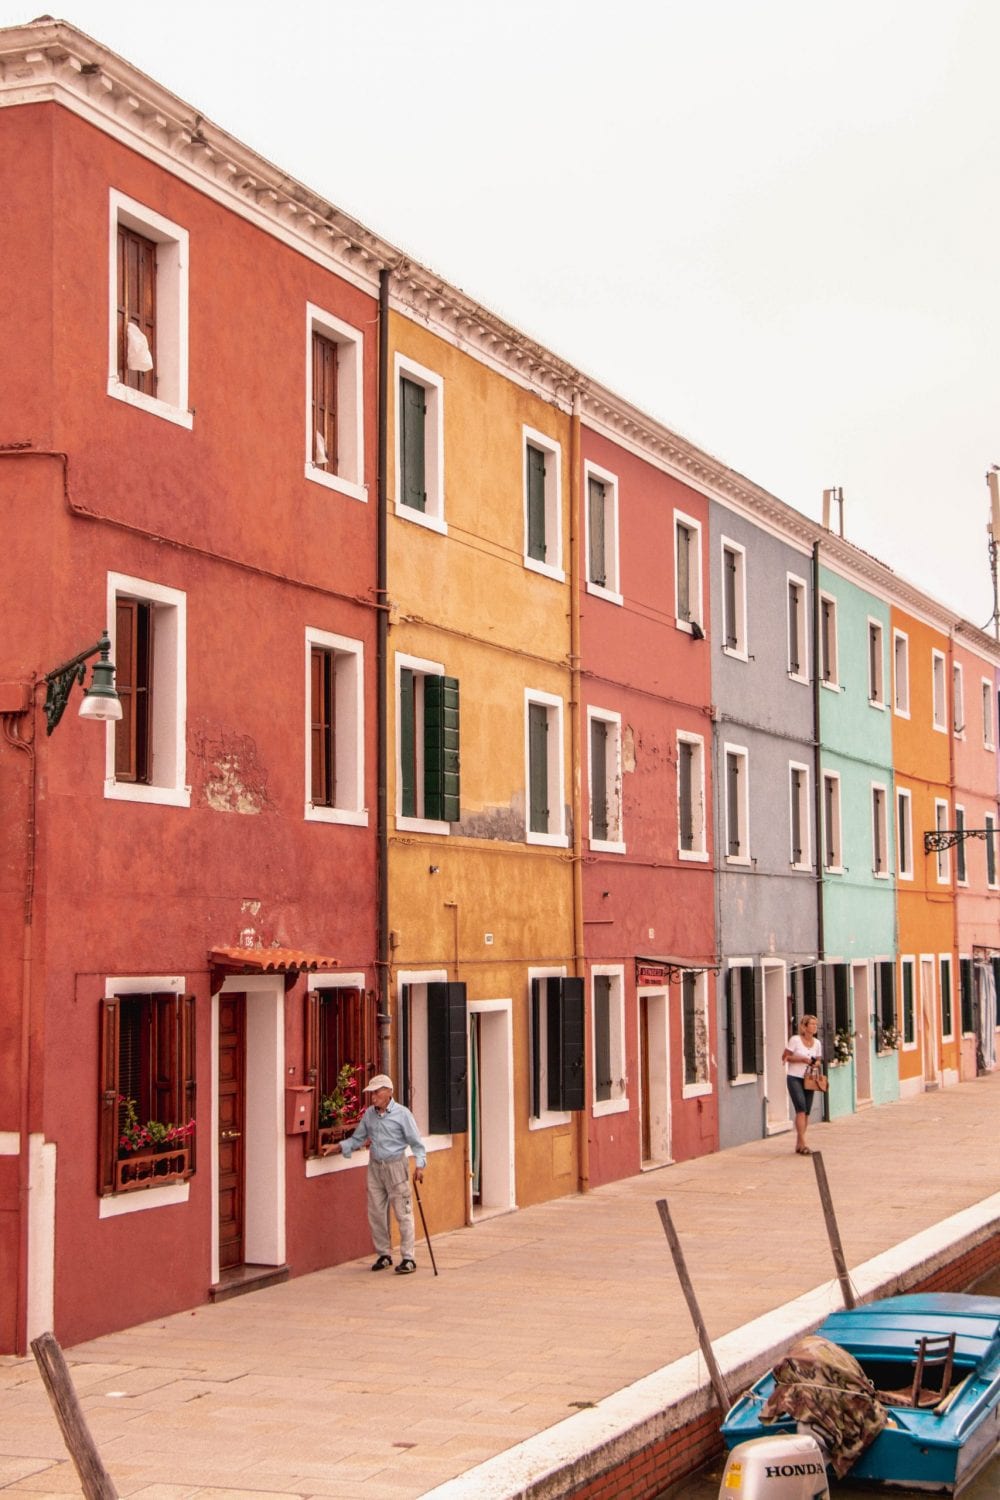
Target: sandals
x=406 y=1267
x=383 y=1263
x=802 y=1151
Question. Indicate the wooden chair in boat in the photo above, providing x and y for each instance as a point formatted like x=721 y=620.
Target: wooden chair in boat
x=935 y=1352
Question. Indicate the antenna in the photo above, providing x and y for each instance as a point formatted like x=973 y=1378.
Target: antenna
x=993 y=532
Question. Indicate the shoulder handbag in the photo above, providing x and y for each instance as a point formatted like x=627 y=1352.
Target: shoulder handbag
x=815 y=1078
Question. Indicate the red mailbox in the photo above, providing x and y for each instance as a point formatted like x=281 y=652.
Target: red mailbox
x=298 y=1109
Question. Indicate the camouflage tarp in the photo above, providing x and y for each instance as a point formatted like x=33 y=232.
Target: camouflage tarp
x=821 y=1385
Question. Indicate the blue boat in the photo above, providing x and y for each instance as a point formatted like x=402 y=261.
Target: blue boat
x=934 y=1361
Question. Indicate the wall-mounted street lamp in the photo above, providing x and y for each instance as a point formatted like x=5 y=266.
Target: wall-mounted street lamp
x=100 y=701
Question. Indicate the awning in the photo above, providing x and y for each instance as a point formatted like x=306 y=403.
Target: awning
x=665 y=968
x=291 y=962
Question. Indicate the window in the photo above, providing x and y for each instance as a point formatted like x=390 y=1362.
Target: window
x=989 y=738
x=829 y=670
x=427 y=746
x=542 y=504
x=958 y=700
x=433 y=1054
x=557 y=1043
x=991 y=851
x=609 y=1041
x=694 y=1033
x=147 y=1056
x=880 y=833
x=961 y=870
x=734 y=599
x=939 y=691
x=546 y=820
x=876 y=671
x=605 y=739
x=419 y=444
x=334 y=738
x=334 y=404
x=797 y=644
x=145 y=757
x=691 y=797
x=148 y=327
x=833 y=856
x=744 y=1023
x=943 y=856
x=966 y=987
x=885 y=1000
x=602 y=533
x=798 y=789
x=737 y=796
x=341 y=1048
x=947 y=1016
x=687 y=573
x=909 y=1009
x=901 y=673
x=840 y=989
x=904 y=834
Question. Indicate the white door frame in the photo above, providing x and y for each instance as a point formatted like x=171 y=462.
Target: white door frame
x=656 y=999
x=774 y=980
x=496 y=1122
x=861 y=1002
x=929 y=1020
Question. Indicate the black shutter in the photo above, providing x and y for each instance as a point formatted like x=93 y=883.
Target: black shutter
x=731 y=1063
x=441 y=747
x=598 y=779
x=412 y=463
x=536 y=503
x=564 y=1004
x=407 y=743
x=729 y=596
x=447 y=1059
x=536 y=1049
x=603 y=1081
x=758 y=1020
x=405 y=1092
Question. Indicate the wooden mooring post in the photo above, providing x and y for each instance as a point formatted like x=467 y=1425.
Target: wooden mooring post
x=843 y=1275
x=94 y=1477
x=722 y=1395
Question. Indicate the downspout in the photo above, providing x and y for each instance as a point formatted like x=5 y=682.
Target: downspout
x=818 y=803
x=949 y=698
x=579 y=958
x=381 y=667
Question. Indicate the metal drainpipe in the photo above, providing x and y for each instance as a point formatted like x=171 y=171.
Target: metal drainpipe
x=818 y=803
x=381 y=667
x=579 y=957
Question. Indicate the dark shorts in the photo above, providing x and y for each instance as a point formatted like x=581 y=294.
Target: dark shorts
x=801 y=1097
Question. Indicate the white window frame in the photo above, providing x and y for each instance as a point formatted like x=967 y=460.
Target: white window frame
x=939 y=691
x=433 y=385
x=739 y=624
x=172 y=294
x=805 y=863
x=942 y=818
x=876 y=683
x=908 y=961
x=557 y=837
x=880 y=812
x=802 y=634
x=904 y=833
x=613 y=784
x=618 y=1103
x=958 y=700
x=349 y=707
x=989 y=714
x=901 y=674
x=612 y=589
x=423 y=668
x=699 y=853
x=350 y=476
x=829 y=643
x=697 y=603
x=741 y=754
x=169 y=729
x=700 y=1089
x=531 y=437
x=833 y=866
x=989 y=822
x=547 y=1118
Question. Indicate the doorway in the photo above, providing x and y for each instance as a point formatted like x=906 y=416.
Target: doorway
x=491 y=1109
x=928 y=1016
x=776 y=1006
x=654 y=1066
x=232 y=1122
x=861 y=985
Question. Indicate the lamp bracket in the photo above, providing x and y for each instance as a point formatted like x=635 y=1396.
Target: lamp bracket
x=939 y=840
x=59 y=682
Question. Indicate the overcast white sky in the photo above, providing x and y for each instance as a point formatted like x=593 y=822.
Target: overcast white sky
x=773 y=224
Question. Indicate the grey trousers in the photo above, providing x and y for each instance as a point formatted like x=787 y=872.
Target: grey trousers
x=389 y=1183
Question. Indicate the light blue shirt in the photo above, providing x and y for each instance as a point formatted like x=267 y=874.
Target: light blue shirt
x=389 y=1134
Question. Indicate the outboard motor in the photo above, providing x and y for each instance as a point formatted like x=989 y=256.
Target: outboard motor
x=788 y=1466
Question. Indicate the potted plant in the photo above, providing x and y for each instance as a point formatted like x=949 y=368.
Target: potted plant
x=339 y=1110
x=152 y=1154
x=887 y=1038
x=843 y=1046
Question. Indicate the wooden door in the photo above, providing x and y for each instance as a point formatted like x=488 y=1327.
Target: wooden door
x=232 y=1074
x=645 y=1123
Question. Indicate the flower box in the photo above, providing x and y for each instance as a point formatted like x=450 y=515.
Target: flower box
x=328 y=1134
x=143 y=1169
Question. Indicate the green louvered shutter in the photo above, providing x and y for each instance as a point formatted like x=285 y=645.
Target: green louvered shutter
x=538 y=768
x=758 y=1020
x=536 y=1047
x=731 y=1063
x=407 y=743
x=441 y=743
x=536 y=503
x=447 y=1059
x=596 y=564
x=565 y=1043
x=598 y=779
x=412 y=460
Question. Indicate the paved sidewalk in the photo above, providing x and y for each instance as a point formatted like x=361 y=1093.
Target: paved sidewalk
x=343 y=1384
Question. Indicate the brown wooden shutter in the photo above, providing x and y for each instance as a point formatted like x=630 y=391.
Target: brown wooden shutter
x=107 y=1097
x=321 y=712
x=186 y=1070
x=134 y=685
x=136 y=304
x=324 y=393
x=310 y=1063
x=164 y=1090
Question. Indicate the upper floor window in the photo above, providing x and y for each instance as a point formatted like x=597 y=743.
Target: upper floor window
x=687 y=573
x=691 y=797
x=602 y=533
x=939 y=692
x=334 y=403
x=961 y=870
x=798 y=666
x=605 y=743
x=904 y=834
x=419 y=444
x=989 y=731
x=798 y=791
x=880 y=832
x=833 y=858
x=991 y=851
x=737 y=794
x=734 y=599
x=542 y=504
x=146 y=748
x=334 y=729
x=544 y=769
x=876 y=671
x=427 y=746
x=943 y=855
x=829 y=669
x=148 y=300
x=957 y=700
x=901 y=673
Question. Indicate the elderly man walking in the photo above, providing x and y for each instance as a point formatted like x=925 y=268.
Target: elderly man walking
x=388 y=1128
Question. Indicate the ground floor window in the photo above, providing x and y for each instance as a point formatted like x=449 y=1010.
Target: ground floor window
x=694 y=1028
x=341 y=1056
x=557 y=1044
x=434 y=1055
x=744 y=1022
x=147 y=1091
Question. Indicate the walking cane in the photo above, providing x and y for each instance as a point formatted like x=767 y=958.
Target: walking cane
x=423 y=1221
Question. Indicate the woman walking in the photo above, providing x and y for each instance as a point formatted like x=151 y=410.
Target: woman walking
x=803 y=1049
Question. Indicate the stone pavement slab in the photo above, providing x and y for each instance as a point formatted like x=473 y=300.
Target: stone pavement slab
x=344 y=1384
